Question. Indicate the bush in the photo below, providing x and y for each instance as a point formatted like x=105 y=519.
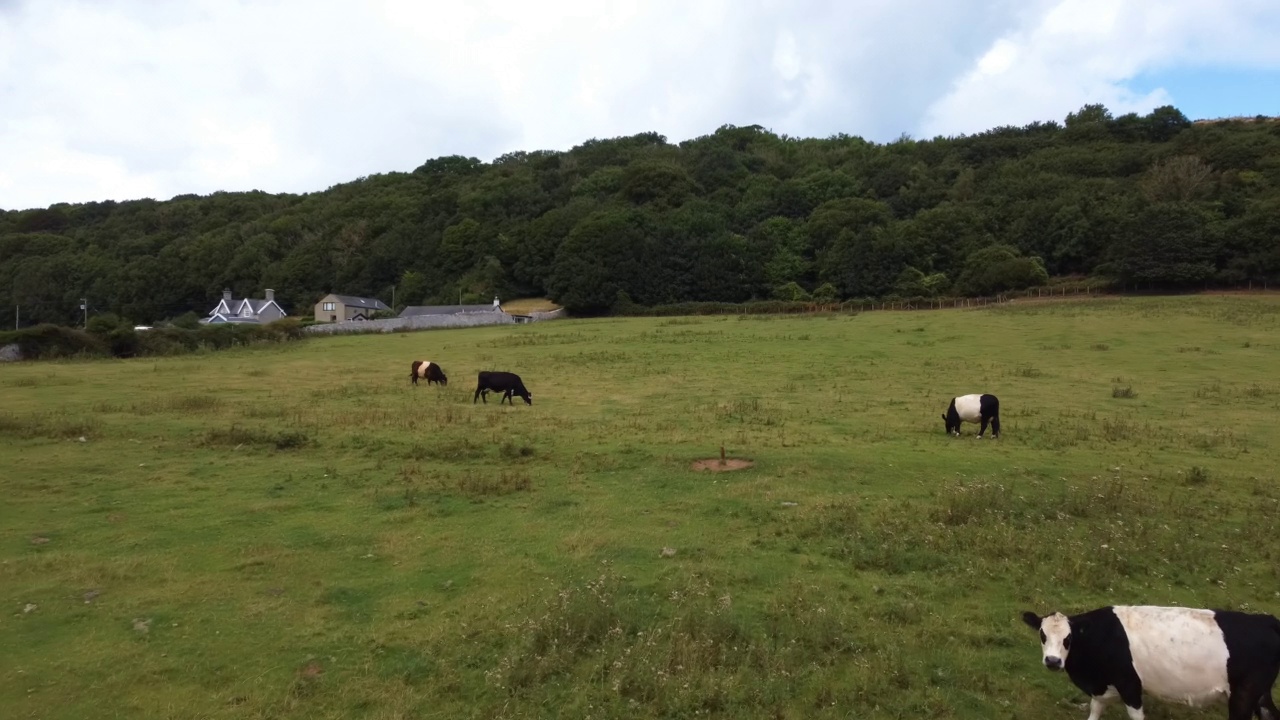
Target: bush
x=105 y=324
x=826 y=293
x=790 y=292
x=45 y=342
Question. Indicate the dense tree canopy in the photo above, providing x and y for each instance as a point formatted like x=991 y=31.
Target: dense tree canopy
x=738 y=214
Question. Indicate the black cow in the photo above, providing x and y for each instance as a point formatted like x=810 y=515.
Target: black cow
x=428 y=370
x=974 y=408
x=1177 y=654
x=508 y=384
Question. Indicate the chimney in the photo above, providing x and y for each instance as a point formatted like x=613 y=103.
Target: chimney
x=271 y=295
x=226 y=294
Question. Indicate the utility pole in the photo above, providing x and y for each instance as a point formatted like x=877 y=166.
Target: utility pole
x=84 y=305
x=15 y=317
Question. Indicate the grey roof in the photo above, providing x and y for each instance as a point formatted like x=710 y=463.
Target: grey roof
x=366 y=303
x=445 y=309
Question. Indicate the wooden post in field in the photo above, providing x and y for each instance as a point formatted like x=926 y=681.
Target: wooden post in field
x=721 y=456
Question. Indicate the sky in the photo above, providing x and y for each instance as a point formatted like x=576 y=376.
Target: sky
x=126 y=99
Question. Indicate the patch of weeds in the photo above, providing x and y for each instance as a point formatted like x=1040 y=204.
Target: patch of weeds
x=1101 y=347
x=1117 y=429
x=749 y=411
x=238 y=436
x=1028 y=371
x=407 y=664
x=491 y=484
x=21 y=382
x=1197 y=475
x=460 y=449
x=1257 y=391
x=1214 y=389
x=258 y=410
x=54 y=426
x=515 y=451
x=1125 y=392
x=1187 y=348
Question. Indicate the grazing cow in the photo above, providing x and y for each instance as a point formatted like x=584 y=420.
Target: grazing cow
x=974 y=408
x=425 y=369
x=1177 y=654
x=508 y=384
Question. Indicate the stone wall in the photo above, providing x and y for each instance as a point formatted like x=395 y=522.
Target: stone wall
x=423 y=322
x=550 y=315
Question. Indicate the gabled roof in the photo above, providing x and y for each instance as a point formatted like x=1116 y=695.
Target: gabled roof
x=232 y=307
x=446 y=309
x=218 y=317
x=360 y=302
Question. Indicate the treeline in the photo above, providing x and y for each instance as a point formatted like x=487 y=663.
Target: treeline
x=742 y=214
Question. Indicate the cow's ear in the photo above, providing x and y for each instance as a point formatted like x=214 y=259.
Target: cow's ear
x=1031 y=619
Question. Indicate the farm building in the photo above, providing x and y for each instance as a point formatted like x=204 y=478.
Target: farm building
x=341 y=308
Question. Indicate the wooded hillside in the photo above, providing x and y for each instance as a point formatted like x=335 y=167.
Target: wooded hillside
x=738 y=214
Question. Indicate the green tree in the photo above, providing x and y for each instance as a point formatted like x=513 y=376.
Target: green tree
x=1169 y=244
x=1000 y=268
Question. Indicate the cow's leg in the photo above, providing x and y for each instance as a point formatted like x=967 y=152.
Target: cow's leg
x=476 y=396
x=1097 y=704
x=1243 y=703
x=1267 y=708
x=1130 y=692
x=506 y=397
x=983 y=430
x=995 y=426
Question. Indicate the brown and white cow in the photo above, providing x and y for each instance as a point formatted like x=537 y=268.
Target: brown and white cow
x=427 y=370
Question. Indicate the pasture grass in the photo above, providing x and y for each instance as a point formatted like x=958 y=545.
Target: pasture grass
x=299 y=533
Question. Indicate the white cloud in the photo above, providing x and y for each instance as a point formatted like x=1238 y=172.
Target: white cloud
x=127 y=98
x=1086 y=51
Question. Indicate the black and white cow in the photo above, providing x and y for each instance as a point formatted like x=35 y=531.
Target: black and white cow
x=509 y=384
x=1183 y=655
x=973 y=408
x=427 y=370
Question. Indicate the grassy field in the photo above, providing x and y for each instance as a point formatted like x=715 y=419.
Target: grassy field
x=295 y=532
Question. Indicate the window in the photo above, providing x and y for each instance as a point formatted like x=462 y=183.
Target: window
x=330 y=306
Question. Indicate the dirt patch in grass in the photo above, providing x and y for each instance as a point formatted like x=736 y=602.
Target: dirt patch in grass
x=722 y=464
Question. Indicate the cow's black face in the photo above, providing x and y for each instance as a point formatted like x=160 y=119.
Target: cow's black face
x=528 y=398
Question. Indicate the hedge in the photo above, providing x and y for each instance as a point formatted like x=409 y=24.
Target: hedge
x=45 y=342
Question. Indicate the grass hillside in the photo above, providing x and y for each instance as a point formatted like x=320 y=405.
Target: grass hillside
x=525 y=306
x=296 y=532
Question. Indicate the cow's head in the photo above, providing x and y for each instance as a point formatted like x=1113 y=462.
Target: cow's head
x=951 y=419
x=1055 y=637
x=528 y=397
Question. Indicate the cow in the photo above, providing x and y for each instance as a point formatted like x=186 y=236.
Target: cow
x=425 y=369
x=508 y=384
x=1177 y=654
x=974 y=408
